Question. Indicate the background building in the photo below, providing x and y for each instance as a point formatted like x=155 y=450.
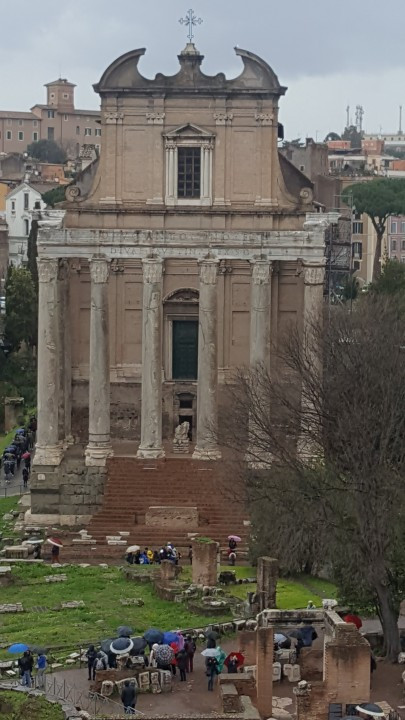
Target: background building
x=20 y=203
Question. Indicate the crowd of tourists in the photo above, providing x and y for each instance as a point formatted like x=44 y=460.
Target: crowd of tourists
x=136 y=556
x=26 y=666
x=19 y=451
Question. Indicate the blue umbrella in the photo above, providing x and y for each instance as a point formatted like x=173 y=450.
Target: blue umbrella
x=170 y=637
x=21 y=431
x=153 y=636
x=11 y=449
x=17 y=648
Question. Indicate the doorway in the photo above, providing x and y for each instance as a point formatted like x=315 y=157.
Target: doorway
x=185 y=350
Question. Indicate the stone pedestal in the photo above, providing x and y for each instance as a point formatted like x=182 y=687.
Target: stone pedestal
x=205 y=567
x=207 y=402
x=264 y=671
x=267 y=576
x=151 y=445
x=168 y=572
x=48 y=447
x=99 y=447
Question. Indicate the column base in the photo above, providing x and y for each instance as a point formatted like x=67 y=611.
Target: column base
x=48 y=455
x=206 y=454
x=96 y=455
x=150 y=453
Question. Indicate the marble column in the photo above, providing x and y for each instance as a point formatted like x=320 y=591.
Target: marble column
x=48 y=447
x=207 y=402
x=99 y=447
x=151 y=421
x=260 y=313
x=64 y=351
x=258 y=454
x=314 y=275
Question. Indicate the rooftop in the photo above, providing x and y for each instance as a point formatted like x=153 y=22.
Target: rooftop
x=17 y=115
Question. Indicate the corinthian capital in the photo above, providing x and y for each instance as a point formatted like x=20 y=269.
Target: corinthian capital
x=208 y=272
x=152 y=270
x=261 y=272
x=47 y=269
x=99 y=269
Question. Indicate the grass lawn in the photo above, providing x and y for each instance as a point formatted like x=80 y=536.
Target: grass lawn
x=6 y=505
x=15 y=705
x=6 y=440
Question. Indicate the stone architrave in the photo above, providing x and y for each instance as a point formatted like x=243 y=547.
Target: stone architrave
x=151 y=445
x=99 y=447
x=267 y=576
x=48 y=448
x=205 y=562
x=314 y=274
x=207 y=391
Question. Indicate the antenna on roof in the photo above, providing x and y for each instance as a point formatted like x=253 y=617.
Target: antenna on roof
x=400 y=120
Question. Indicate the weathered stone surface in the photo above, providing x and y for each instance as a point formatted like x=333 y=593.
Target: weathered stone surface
x=72 y=605
x=56 y=578
x=172 y=517
x=11 y=608
x=132 y=601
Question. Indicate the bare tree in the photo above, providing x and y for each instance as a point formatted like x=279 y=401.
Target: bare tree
x=324 y=444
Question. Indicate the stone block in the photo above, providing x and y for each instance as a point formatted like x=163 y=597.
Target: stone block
x=144 y=682
x=165 y=680
x=205 y=567
x=107 y=688
x=172 y=517
x=72 y=605
x=230 y=699
x=276 y=671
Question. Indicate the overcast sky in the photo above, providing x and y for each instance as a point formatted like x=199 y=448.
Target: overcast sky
x=330 y=54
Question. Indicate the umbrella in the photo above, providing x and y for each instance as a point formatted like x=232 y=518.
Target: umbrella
x=34 y=541
x=132 y=548
x=180 y=640
x=355 y=619
x=38 y=649
x=235 y=657
x=294 y=634
x=10 y=450
x=139 y=644
x=125 y=631
x=170 y=637
x=121 y=645
x=164 y=654
x=211 y=652
x=370 y=709
x=212 y=635
x=106 y=644
x=235 y=537
x=220 y=658
x=17 y=648
x=54 y=541
x=26 y=455
x=20 y=431
x=153 y=636
x=279 y=637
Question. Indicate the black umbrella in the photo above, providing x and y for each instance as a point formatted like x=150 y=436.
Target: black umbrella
x=371 y=710
x=153 y=636
x=139 y=645
x=121 y=645
x=125 y=631
x=212 y=635
x=38 y=649
x=105 y=644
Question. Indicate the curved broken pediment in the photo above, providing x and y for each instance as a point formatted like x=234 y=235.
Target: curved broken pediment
x=123 y=75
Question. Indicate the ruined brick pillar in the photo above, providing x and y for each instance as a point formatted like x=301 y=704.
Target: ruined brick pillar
x=264 y=671
x=247 y=645
x=267 y=576
x=168 y=572
x=205 y=567
x=347 y=664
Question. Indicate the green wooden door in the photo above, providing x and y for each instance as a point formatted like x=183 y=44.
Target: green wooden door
x=185 y=349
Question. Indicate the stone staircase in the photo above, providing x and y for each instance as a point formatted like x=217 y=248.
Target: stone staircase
x=161 y=501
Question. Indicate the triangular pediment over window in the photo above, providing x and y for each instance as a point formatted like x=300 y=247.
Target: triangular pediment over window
x=189 y=131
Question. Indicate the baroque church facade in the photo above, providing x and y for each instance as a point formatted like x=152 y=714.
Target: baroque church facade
x=184 y=253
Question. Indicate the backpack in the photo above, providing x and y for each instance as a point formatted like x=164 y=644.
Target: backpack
x=100 y=664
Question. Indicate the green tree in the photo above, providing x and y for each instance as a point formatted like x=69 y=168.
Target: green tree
x=32 y=253
x=391 y=280
x=47 y=151
x=379 y=199
x=351 y=133
x=21 y=309
x=56 y=195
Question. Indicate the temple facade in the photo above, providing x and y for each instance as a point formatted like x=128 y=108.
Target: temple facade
x=184 y=253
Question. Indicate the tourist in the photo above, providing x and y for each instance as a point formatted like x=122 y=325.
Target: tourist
x=190 y=554
x=55 y=554
x=101 y=661
x=212 y=671
x=182 y=664
x=91 y=658
x=231 y=557
x=143 y=559
x=152 y=655
x=128 y=697
x=25 y=477
x=163 y=554
x=150 y=555
x=232 y=544
x=112 y=660
x=156 y=558
x=129 y=557
x=41 y=667
x=233 y=664
x=37 y=552
x=190 y=648
x=26 y=663
x=306 y=635
x=27 y=463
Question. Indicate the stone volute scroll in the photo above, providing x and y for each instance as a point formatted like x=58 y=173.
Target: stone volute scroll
x=72 y=192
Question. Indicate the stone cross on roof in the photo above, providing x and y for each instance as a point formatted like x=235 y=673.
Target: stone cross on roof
x=191 y=20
